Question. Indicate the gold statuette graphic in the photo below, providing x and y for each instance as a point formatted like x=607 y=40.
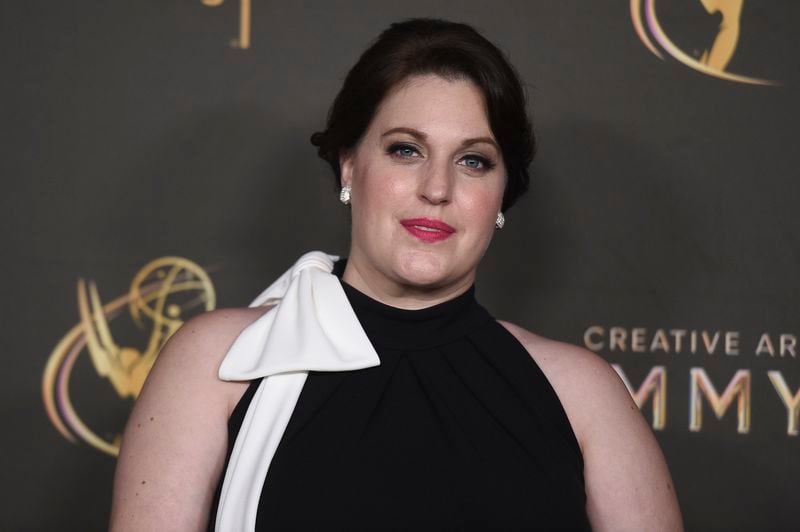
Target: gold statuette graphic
x=162 y=295
x=721 y=51
x=714 y=60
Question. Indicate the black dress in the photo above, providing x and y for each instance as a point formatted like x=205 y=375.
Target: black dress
x=456 y=429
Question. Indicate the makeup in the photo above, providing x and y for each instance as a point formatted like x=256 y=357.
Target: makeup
x=427 y=229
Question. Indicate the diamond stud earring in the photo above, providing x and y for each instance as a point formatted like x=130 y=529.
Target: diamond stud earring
x=500 y=221
x=344 y=195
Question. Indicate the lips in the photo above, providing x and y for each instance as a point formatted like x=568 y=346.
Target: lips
x=428 y=230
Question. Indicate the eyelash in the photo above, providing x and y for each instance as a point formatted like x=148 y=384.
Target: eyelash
x=485 y=163
x=394 y=148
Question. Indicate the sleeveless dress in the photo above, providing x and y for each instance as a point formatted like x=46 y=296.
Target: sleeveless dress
x=456 y=429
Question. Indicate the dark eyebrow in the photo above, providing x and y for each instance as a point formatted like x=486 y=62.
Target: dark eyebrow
x=422 y=136
x=411 y=131
x=478 y=140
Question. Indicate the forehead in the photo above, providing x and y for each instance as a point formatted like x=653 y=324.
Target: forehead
x=434 y=104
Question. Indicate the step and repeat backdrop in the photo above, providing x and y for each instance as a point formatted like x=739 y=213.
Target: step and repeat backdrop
x=156 y=164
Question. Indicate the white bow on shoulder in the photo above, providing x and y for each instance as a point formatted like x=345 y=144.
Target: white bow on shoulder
x=312 y=328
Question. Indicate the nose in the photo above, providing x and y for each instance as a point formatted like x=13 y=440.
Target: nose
x=436 y=184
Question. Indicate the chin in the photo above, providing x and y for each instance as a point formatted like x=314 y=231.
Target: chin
x=422 y=268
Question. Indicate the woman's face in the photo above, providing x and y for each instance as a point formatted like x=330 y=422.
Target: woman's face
x=427 y=182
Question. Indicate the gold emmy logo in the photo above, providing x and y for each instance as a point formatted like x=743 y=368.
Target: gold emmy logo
x=162 y=295
x=243 y=40
x=703 y=392
x=714 y=60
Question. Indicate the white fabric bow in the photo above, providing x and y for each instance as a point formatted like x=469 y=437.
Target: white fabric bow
x=312 y=327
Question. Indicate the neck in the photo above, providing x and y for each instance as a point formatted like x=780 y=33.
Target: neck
x=397 y=292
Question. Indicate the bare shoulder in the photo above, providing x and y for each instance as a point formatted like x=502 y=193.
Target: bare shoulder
x=628 y=484
x=561 y=356
x=174 y=444
x=220 y=327
x=193 y=354
x=575 y=373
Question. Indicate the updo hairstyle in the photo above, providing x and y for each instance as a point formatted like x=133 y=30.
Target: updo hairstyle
x=453 y=51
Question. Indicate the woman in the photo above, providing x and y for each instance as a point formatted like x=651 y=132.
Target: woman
x=392 y=399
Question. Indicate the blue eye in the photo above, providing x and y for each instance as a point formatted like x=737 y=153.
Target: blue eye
x=406 y=151
x=402 y=150
x=476 y=162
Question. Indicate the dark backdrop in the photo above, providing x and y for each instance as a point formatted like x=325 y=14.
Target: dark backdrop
x=662 y=198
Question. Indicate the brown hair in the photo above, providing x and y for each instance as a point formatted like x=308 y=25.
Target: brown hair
x=448 y=49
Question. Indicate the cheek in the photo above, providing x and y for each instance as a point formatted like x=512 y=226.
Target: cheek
x=383 y=187
x=482 y=203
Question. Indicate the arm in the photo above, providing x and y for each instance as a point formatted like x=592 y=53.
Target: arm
x=174 y=444
x=628 y=484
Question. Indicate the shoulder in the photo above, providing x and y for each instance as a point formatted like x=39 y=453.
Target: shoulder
x=628 y=484
x=560 y=356
x=174 y=444
x=208 y=335
x=576 y=373
x=193 y=354
x=218 y=325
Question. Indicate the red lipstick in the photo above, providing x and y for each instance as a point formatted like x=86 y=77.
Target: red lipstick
x=427 y=229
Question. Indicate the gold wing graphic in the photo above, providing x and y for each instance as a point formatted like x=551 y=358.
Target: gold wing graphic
x=125 y=367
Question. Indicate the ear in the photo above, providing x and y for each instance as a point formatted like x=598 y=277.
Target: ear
x=346 y=167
